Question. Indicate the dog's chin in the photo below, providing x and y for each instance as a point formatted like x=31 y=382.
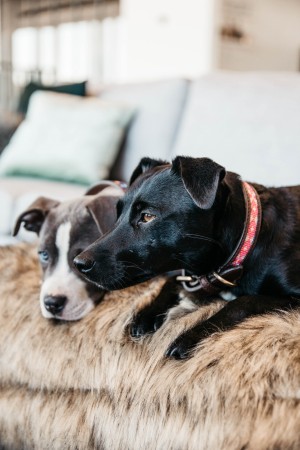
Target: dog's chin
x=115 y=284
x=74 y=316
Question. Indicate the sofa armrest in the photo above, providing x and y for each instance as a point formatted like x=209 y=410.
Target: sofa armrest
x=16 y=193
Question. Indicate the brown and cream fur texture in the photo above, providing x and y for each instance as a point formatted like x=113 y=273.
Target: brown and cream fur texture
x=87 y=385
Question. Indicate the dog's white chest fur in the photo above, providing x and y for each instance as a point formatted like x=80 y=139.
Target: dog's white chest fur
x=227 y=295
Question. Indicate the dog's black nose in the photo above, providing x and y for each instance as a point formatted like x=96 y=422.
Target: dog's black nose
x=84 y=265
x=55 y=304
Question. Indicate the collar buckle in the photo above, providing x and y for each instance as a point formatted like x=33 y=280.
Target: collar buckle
x=212 y=283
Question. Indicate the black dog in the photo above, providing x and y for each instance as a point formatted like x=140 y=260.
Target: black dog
x=193 y=215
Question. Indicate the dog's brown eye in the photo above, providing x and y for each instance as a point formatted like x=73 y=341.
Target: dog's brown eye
x=146 y=217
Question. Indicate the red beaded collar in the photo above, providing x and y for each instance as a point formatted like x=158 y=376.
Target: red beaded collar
x=226 y=276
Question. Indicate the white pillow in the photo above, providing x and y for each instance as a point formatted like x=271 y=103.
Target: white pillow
x=65 y=137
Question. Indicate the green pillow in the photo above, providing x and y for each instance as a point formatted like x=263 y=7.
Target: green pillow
x=67 y=138
x=30 y=88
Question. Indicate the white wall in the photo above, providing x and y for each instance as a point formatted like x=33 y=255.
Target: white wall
x=273 y=29
x=157 y=39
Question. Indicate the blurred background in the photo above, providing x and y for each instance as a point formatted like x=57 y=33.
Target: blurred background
x=111 y=41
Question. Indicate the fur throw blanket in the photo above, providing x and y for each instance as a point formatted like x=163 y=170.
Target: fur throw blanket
x=87 y=385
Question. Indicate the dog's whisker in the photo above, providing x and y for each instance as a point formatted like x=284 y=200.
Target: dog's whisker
x=205 y=238
x=123 y=285
x=185 y=264
x=132 y=265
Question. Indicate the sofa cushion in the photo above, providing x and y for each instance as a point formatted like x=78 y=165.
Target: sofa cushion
x=18 y=186
x=248 y=122
x=68 y=138
x=16 y=194
x=152 y=132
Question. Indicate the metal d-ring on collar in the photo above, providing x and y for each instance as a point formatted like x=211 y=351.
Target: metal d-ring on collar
x=222 y=280
x=227 y=275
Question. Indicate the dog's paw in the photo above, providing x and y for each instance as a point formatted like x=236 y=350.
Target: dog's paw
x=144 y=323
x=184 y=346
x=181 y=348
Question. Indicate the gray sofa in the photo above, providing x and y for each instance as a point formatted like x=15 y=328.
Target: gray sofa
x=249 y=122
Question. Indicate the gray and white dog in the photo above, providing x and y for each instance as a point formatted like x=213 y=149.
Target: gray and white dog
x=65 y=229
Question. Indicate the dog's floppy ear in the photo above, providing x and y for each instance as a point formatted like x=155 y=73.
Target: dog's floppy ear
x=201 y=178
x=98 y=187
x=104 y=212
x=144 y=165
x=34 y=216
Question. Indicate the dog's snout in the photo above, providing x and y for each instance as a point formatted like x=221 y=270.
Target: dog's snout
x=55 y=304
x=84 y=265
